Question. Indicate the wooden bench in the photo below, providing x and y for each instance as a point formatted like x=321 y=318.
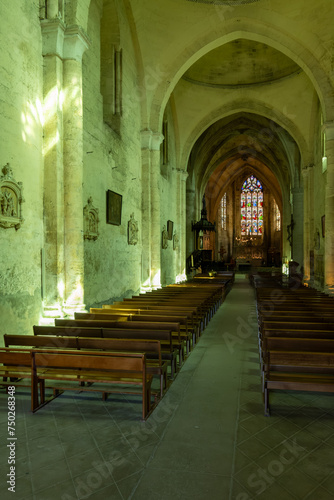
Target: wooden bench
x=297 y=371
x=105 y=329
x=178 y=341
x=125 y=370
x=194 y=313
x=185 y=332
x=152 y=348
x=14 y=363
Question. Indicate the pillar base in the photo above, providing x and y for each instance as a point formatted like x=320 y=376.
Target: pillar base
x=329 y=289
x=70 y=309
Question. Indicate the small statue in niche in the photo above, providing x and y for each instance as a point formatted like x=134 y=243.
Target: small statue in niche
x=91 y=220
x=7 y=203
x=164 y=238
x=132 y=230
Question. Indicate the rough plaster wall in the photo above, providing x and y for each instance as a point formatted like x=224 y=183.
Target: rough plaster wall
x=21 y=146
x=111 y=161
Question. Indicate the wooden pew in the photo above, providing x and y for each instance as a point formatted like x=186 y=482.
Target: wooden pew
x=297 y=325
x=297 y=371
x=152 y=348
x=14 y=363
x=107 y=329
x=194 y=313
x=186 y=330
x=178 y=341
x=64 y=367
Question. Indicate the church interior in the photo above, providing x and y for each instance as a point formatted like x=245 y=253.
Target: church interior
x=144 y=143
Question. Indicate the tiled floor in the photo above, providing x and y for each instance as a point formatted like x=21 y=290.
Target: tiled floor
x=207 y=439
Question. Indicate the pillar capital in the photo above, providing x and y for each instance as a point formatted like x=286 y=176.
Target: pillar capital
x=182 y=173
x=307 y=169
x=76 y=41
x=53 y=31
x=297 y=190
x=65 y=42
x=151 y=140
x=328 y=129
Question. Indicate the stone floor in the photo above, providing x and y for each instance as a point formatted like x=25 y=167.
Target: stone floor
x=207 y=439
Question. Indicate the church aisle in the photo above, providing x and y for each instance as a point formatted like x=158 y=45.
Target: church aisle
x=195 y=457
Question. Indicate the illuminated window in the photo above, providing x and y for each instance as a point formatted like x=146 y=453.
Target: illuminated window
x=277 y=217
x=223 y=212
x=252 y=207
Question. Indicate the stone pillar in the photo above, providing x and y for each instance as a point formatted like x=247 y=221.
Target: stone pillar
x=151 y=256
x=156 y=228
x=146 y=211
x=183 y=224
x=307 y=216
x=191 y=216
x=53 y=251
x=286 y=219
x=75 y=43
x=298 y=218
x=329 y=210
x=181 y=215
x=62 y=256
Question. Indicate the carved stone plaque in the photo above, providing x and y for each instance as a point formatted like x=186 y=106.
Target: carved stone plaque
x=10 y=200
x=91 y=221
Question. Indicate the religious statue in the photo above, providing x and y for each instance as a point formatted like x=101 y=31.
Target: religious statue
x=222 y=251
x=91 y=221
x=132 y=230
x=7 y=204
x=164 y=238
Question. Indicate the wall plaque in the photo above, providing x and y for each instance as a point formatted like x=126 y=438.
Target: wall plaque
x=114 y=208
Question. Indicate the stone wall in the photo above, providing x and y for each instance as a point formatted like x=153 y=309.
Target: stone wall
x=21 y=146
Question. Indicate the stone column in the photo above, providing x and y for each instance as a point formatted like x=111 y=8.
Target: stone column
x=191 y=216
x=298 y=218
x=329 y=210
x=183 y=224
x=307 y=203
x=53 y=252
x=151 y=253
x=181 y=215
x=75 y=43
x=146 y=210
x=156 y=228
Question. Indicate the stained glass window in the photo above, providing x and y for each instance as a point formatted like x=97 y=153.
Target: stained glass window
x=223 y=212
x=277 y=217
x=252 y=207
